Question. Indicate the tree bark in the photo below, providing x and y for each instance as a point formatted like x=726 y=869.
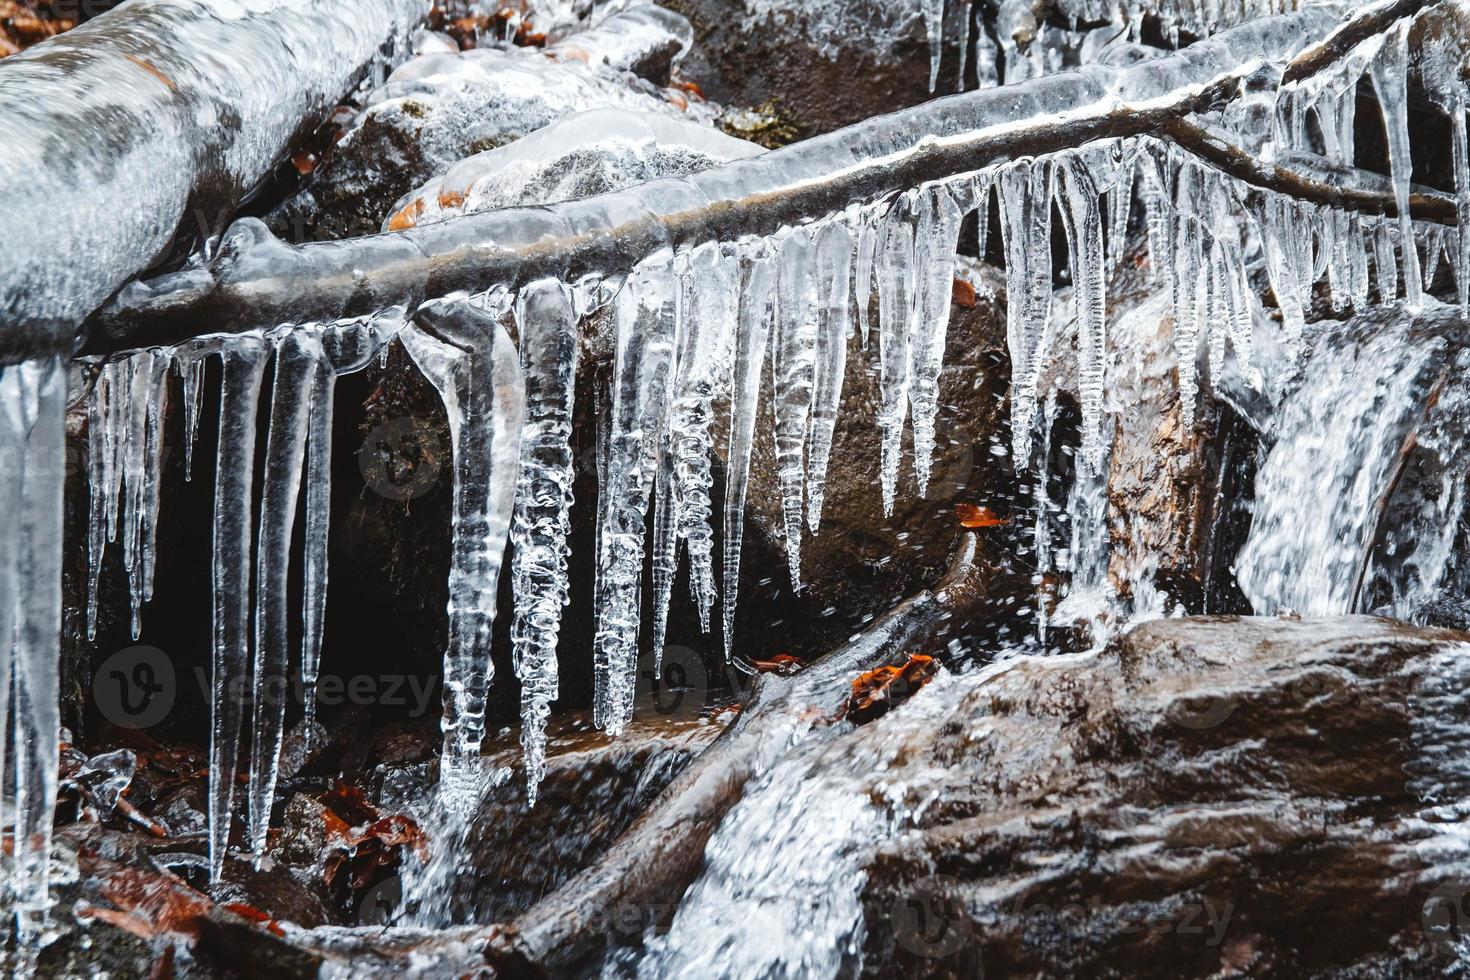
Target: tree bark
x=158 y=116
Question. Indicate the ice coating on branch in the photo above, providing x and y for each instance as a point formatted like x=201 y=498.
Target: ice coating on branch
x=471 y=361
x=546 y=324
x=586 y=153
x=33 y=397
x=141 y=101
x=645 y=312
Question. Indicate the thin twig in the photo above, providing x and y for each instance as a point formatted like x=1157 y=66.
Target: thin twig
x=1340 y=43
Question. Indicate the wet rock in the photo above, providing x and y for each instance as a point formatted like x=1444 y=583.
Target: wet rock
x=1205 y=797
x=437 y=109
x=593 y=789
x=860 y=562
x=795 y=70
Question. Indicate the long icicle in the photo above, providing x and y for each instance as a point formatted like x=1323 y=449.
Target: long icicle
x=793 y=369
x=756 y=297
x=834 y=258
x=547 y=326
x=472 y=363
x=298 y=360
x=244 y=361
x=934 y=247
x=645 y=318
x=1082 y=220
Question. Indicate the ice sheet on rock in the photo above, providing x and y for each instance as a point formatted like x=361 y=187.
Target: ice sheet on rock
x=586 y=153
x=546 y=324
x=472 y=363
x=488 y=96
x=644 y=312
x=644 y=39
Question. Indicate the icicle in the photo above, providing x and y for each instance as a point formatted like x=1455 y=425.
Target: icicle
x=1460 y=151
x=1218 y=323
x=934 y=25
x=472 y=363
x=102 y=442
x=1280 y=267
x=704 y=364
x=33 y=398
x=665 y=558
x=934 y=247
x=981 y=189
x=547 y=327
x=314 y=534
x=1433 y=248
x=1025 y=204
x=1082 y=221
x=644 y=312
x=191 y=370
x=1390 y=81
x=833 y=260
x=793 y=375
x=1190 y=275
x=1357 y=263
x=1339 y=274
x=959 y=85
x=869 y=227
x=298 y=360
x=158 y=365
x=140 y=465
x=756 y=298
x=1120 y=203
x=896 y=286
x=1384 y=268
x=244 y=360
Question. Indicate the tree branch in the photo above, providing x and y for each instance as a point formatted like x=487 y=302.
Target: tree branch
x=258 y=281
x=1339 y=44
x=1213 y=148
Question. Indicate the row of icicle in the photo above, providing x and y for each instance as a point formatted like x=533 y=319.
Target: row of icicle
x=693 y=329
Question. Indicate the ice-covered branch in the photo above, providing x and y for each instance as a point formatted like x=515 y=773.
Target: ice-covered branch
x=1370 y=22
x=1219 y=152
x=155 y=114
x=258 y=280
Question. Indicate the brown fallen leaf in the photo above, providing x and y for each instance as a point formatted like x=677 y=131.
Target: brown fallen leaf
x=973 y=515
x=963 y=293
x=407 y=216
x=783 y=664
x=877 y=691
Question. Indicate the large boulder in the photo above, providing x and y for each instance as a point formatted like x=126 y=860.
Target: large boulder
x=1204 y=797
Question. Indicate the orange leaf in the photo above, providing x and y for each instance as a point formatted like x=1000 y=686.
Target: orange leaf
x=963 y=293
x=971 y=515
